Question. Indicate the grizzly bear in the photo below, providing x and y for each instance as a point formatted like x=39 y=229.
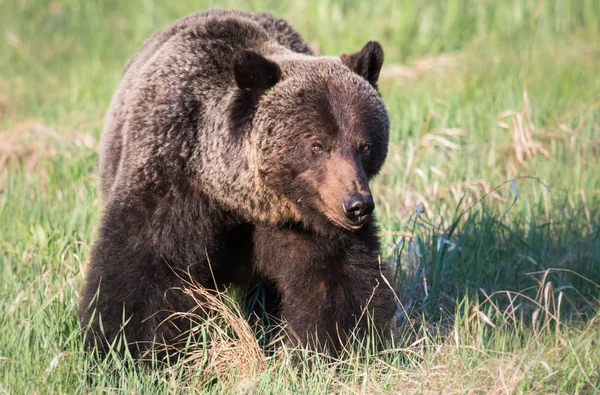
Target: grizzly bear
x=235 y=155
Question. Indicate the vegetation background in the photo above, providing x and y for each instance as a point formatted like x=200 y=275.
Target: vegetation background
x=488 y=202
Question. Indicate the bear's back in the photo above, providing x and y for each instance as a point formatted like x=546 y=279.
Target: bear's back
x=277 y=29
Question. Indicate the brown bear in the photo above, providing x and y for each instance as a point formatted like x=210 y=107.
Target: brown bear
x=233 y=154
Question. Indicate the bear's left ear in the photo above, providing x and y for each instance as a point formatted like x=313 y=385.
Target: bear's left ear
x=367 y=62
x=253 y=71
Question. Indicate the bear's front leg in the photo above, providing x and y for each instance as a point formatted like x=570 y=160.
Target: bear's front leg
x=329 y=286
x=131 y=287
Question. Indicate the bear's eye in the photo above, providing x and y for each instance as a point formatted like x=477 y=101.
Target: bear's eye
x=365 y=147
x=317 y=148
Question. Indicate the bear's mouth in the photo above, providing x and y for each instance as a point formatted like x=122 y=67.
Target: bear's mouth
x=352 y=226
x=360 y=221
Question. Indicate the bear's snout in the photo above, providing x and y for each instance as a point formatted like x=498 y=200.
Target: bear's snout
x=358 y=208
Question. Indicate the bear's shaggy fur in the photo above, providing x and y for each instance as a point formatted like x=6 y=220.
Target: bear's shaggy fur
x=231 y=152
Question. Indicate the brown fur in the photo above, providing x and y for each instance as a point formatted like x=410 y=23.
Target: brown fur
x=207 y=157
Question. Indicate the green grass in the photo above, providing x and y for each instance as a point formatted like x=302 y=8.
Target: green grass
x=500 y=286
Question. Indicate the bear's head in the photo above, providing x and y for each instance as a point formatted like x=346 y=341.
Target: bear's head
x=319 y=130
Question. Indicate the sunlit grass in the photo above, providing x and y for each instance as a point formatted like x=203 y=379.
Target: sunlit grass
x=498 y=280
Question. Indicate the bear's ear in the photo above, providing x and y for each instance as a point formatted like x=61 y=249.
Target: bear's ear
x=367 y=62
x=255 y=72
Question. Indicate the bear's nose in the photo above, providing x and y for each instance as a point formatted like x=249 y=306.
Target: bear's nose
x=358 y=206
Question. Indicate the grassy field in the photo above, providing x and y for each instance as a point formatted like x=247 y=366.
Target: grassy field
x=488 y=203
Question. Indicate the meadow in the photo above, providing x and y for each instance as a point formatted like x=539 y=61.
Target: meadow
x=488 y=203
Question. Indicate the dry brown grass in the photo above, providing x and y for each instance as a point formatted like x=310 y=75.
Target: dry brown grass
x=25 y=142
x=228 y=348
x=422 y=67
x=30 y=142
x=522 y=132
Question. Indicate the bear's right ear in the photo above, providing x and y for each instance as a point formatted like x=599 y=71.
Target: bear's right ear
x=253 y=71
x=367 y=62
